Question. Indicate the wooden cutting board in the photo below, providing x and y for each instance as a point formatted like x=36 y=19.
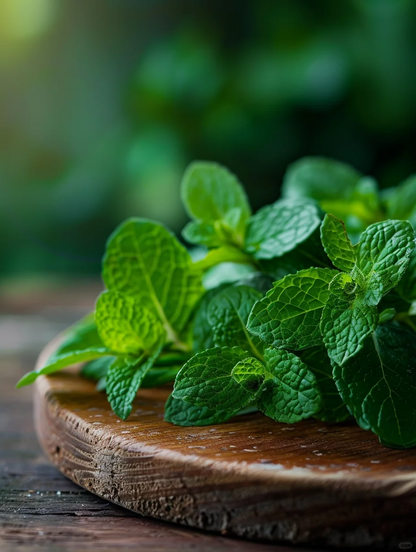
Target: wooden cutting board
x=309 y=482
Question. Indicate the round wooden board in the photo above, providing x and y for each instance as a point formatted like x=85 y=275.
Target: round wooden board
x=310 y=482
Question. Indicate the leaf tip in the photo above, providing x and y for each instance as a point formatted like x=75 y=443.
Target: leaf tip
x=27 y=379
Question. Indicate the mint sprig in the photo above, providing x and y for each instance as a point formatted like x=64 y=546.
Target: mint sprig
x=216 y=201
x=281 y=313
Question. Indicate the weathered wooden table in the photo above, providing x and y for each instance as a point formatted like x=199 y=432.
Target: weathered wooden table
x=39 y=508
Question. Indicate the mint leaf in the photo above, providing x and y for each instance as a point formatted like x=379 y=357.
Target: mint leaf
x=290 y=392
x=201 y=233
x=59 y=361
x=228 y=313
x=360 y=210
x=202 y=337
x=289 y=315
x=182 y=413
x=125 y=326
x=401 y=201
x=101 y=384
x=278 y=228
x=383 y=255
x=81 y=335
x=333 y=408
x=394 y=300
x=80 y=343
x=256 y=280
x=319 y=178
x=124 y=378
x=205 y=380
x=344 y=326
x=379 y=384
x=98 y=368
x=249 y=373
x=210 y=191
x=145 y=261
x=337 y=244
x=215 y=199
x=407 y=285
x=202 y=334
x=386 y=315
x=338 y=188
x=306 y=254
x=226 y=273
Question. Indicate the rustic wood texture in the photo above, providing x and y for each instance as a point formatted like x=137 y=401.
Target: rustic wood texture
x=40 y=509
x=326 y=485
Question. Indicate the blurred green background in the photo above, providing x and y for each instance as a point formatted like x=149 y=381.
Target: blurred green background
x=105 y=102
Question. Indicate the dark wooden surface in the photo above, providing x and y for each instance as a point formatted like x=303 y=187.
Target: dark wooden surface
x=311 y=483
x=42 y=510
x=39 y=508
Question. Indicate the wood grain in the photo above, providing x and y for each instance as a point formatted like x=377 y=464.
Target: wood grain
x=311 y=482
x=40 y=509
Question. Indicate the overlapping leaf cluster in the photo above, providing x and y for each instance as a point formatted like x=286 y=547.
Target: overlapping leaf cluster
x=277 y=312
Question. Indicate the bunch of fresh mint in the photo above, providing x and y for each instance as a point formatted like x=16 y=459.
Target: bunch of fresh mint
x=277 y=311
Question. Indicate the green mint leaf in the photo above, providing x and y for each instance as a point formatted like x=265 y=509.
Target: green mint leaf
x=337 y=243
x=386 y=315
x=145 y=261
x=338 y=188
x=394 y=300
x=125 y=326
x=101 y=384
x=383 y=255
x=256 y=280
x=182 y=413
x=228 y=313
x=210 y=191
x=278 y=228
x=205 y=380
x=319 y=178
x=290 y=392
x=289 y=315
x=407 y=285
x=202 y=336
x=124 y=378
x=80 y=343
x=201 y=233
x=345 y=324
x=81 y=335
x=360 y=210
x=401 y=201
x=250 y=374
x=226 y=273
x=379 y=384
x=333 y=408
x=306 y=254
x=63 y=360
x=98 y=368
x=233 y=223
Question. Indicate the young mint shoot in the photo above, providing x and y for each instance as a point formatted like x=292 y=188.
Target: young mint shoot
x=289 y=311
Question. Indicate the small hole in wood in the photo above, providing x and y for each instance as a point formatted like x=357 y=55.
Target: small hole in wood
x=57 y=450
